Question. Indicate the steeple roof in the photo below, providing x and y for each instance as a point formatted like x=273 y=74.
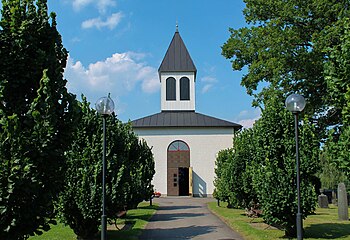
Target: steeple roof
x=177 y=58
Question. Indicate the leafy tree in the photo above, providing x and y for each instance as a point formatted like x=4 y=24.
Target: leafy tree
x=338 y=149
x=285 y=46
x=130 y=169
x=338 y=79
x=274 y=179
x=224 y=178
x=260 y=168
x=295 y=46
x=37 y=117
x=329 y=173
x=337 y=70
x=141 y=172
x=233 y=180
x=244 y=147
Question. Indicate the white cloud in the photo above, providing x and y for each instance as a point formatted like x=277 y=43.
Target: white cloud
x=247 y=118
x=75 y=40
x=78 y=4
x=101 y=5
x=209 y=82
x=118 y=74
x=247 y=123
x=206 y=88
x=209 y=79
x=111 y=22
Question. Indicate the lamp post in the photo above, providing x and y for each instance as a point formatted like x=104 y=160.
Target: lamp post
x=296 y=103
x=105 y=107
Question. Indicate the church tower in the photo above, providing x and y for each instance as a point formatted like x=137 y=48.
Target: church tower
x=184 y=142
x=177 y=74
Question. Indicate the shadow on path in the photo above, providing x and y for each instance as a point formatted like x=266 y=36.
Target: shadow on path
x=176 y=233
x=175 y=216
x=169 y=208
x=186 y=218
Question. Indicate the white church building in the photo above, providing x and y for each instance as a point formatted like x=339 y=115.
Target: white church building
x=184 y=143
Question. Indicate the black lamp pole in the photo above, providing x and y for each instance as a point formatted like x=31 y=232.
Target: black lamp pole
x=299 y=214
x=296 y=103
x=105 y=107
x=104 y=217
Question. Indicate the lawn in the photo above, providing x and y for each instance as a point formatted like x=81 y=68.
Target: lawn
x=135 y=221
x=323 y=225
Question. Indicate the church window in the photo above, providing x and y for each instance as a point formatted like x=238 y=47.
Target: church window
x=171 y=89
x=178 y=146
x=184 y=88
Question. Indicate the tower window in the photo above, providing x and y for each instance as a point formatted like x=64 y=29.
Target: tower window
x=184 y=88
x=171 y=89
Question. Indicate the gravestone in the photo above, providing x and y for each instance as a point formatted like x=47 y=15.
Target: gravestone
x=334 y=198
x=343 y=213
x=322 y=201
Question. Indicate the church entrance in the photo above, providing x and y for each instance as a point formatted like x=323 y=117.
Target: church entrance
x=183 y=181
x=178 y=173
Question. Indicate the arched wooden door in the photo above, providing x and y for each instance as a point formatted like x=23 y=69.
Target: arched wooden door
x=178 y=164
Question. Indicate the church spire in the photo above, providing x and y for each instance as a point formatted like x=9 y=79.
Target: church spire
x=177 y=75
x=177 y=57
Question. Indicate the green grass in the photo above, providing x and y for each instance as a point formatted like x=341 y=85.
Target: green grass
x=323 y=225
x=57 y=232
x=135 y=221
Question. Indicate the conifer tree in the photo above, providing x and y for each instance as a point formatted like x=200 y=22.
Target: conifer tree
x=37 y=117
x=130 y=169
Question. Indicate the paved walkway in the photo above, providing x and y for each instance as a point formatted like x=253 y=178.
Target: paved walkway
x=186 y=218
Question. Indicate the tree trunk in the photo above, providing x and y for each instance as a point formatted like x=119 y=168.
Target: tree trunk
x=291 y=231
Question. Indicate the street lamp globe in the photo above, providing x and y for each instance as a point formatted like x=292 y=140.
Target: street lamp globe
x=295 y=103
x=105 y=106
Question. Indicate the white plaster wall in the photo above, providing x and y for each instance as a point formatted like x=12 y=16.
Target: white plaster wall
x=177 y=105
x=204 y=145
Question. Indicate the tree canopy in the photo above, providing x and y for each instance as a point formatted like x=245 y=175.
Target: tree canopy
x=37 y=117
x=287 y=46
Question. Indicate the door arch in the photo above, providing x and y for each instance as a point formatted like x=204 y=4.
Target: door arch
x=178 y=164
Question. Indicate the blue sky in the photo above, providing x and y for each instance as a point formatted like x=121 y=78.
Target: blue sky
x=116 y=46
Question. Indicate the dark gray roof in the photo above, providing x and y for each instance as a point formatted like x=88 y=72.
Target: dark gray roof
x=181 y=119
x=177 y=57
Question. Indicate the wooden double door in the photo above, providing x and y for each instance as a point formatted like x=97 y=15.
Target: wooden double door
x=179 y=173
x=180 y=181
